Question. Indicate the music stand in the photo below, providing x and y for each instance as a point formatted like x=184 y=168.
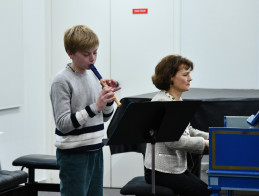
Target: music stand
x=151 y=122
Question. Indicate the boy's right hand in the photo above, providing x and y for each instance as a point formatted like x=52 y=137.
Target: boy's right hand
x=105 y=96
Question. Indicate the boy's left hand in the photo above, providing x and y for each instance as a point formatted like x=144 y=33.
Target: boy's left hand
x=112 y=83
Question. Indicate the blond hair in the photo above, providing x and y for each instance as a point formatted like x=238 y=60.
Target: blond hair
x=79 y=38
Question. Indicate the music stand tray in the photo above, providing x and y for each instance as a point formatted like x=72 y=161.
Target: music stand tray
x=151 y=122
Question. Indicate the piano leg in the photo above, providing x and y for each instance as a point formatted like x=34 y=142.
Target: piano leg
x=215 y=192
x=229 y=193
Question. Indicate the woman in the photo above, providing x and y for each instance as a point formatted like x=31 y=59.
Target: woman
x=172 y=77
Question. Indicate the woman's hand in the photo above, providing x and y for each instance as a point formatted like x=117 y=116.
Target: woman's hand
x=207 y=144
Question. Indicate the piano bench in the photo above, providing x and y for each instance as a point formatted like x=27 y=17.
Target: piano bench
x=38 y=161
x=10 y=182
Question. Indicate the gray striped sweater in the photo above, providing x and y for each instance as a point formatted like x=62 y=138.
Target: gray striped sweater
x=79 y=126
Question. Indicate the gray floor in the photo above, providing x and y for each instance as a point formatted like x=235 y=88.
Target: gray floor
x=116 y=192
x=204 y=177
x=106 y=192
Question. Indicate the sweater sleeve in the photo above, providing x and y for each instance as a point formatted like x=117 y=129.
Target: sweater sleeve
x=198 y=133
x=108 y=111
x=65 y=120
x=60 y=99
x=188 y=144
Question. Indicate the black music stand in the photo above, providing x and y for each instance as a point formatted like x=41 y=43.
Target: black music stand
x=151 y=122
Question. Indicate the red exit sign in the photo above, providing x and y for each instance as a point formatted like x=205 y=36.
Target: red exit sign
x=140 y=11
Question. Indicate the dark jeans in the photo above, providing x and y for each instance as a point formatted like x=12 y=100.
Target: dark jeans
x=185 y=184
x=81 y=173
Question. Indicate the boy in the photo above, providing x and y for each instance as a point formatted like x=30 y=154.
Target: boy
x=80 y=107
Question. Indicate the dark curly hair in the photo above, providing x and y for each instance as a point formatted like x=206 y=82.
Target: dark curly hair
x=167 y=68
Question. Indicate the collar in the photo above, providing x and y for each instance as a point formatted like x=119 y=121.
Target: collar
x=171 y=97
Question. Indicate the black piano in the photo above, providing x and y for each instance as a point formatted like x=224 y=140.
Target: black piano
x=216 y=103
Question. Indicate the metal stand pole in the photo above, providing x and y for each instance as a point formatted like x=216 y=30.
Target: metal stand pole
x=153 y=170
x=153 y=143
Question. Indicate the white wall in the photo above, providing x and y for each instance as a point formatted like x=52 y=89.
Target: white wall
x=222 y=39
x=25 y=127
x=139 y=41
x=11 y=41
x=258 y=47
